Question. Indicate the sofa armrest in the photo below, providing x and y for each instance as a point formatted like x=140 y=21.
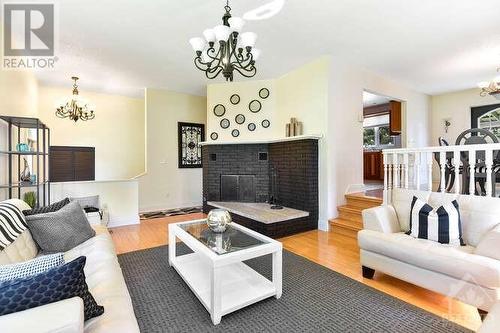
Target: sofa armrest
x=60 y=317
x=489 y=246
x=382 y=219
x=492 y=321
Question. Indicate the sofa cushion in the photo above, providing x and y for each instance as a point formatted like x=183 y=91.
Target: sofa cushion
x=54 y=285
x=30 y=267
x=106 y=283
x=490 y=244
x=479 y=215
x=22 y=249
x=455 y=261
x=62 y=230
x=47 y=209
x=401 y=201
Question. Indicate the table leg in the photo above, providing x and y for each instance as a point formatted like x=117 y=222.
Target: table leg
x=277 y=274
x=171 y=245
x=215 y=296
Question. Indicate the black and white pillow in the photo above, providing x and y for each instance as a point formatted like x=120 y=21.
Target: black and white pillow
x=47 y=209
x=12 y=224
x=441 y=225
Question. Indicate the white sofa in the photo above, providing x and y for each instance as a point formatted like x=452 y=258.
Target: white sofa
x=468 y=273
x=104 y=278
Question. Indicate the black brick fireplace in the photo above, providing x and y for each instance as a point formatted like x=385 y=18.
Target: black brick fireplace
x=245 y=173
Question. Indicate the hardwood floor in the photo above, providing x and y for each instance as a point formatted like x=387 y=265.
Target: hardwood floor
x=337 y=252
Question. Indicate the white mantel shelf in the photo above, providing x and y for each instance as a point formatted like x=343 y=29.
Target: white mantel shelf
x=253 y=142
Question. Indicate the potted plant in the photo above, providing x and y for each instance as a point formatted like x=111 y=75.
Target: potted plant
x=30 y=199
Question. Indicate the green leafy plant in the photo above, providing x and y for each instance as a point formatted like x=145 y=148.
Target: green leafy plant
x=30 y=199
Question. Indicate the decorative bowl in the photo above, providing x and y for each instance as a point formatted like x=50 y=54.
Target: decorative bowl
x=218 y=220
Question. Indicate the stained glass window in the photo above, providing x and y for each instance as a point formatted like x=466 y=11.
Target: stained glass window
x=190 y=135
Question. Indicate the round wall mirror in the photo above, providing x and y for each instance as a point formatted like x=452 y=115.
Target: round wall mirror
x=214 y=136
x=235 y=133
x=251 y=127
x=266 y=123
x=255 y=106
x=264 y=93
x=239 y=119
x=219 y=110
x=225 y=123
x=235 y=99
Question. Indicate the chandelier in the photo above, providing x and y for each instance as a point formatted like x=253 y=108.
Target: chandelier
x=232 y=52
x=491 y=88
x=75 y=107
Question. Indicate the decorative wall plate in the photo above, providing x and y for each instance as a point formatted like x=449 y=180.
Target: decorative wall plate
x=266 y=123
x=225 y=123
x=254 y=106
x=234 y=99
x=264 y=93
x=219 y=110
x=235 y=133
x=239 y=119
x=251 y=127
x=214 y=136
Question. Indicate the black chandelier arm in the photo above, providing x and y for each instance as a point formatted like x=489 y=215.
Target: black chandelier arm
x=212 y=74
x=245 y=63
x=200 y=64
x=251 y=72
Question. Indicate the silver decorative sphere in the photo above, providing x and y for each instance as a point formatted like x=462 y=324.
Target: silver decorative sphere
x=218 y=219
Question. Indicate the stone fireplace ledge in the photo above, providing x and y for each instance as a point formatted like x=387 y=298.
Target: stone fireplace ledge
x=251 y=142
x=260 y=212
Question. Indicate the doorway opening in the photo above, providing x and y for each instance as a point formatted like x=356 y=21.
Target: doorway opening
x=382 y=129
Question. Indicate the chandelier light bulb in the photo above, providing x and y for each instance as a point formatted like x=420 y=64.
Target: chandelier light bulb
x=248 y=39
x=236 y=24
x=209 y=35
x=197 y=43
x=222 y=33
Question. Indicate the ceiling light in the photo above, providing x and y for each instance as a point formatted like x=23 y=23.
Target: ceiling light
x=232 y=52
x=75 y=107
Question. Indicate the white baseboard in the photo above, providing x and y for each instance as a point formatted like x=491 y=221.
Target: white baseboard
x=120 y=221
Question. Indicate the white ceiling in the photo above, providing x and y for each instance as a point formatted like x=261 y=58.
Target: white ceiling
x=123 y=46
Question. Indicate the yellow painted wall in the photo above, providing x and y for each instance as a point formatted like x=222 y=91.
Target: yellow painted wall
x=165 y=185
x=117 y=132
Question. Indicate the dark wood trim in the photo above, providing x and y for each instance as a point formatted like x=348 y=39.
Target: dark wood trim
x=395 y=118
x=71 y=163
x=478 y=111
x=482 y=314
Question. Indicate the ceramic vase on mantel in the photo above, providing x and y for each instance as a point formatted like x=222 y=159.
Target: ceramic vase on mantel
x=218 y=220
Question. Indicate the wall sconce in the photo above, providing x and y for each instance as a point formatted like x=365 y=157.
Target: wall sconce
x=447 y=124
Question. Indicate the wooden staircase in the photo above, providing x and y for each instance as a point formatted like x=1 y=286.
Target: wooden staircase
x=350 y=220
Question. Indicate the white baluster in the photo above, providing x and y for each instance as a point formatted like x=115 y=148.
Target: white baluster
x=395 y=167
x=429 y=171
x=456 y=161
x=417 y=170
x=442 y=162
x=472 y=172
x=489 y=165
x=386 y=179
x=406 y=165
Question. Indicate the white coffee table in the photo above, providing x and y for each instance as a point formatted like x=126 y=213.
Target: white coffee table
x=215 y=271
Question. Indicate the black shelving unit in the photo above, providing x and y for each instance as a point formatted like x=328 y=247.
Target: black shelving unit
x=40 y=155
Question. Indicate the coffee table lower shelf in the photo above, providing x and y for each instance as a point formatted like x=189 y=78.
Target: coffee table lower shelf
x=239 y=286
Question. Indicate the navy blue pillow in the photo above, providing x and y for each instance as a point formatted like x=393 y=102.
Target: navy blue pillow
x=51 y=286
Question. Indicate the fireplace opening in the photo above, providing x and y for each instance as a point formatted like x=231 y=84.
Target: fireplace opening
x=239 y=188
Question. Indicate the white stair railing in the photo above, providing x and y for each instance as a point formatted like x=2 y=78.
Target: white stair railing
x=477 y=162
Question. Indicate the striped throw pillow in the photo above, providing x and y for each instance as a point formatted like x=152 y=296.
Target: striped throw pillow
x=12 y=224
x=441 y=225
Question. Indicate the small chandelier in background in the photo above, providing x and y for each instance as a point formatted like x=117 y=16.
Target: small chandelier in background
x=75 y=107
x=491 y=88
x=235 y=51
